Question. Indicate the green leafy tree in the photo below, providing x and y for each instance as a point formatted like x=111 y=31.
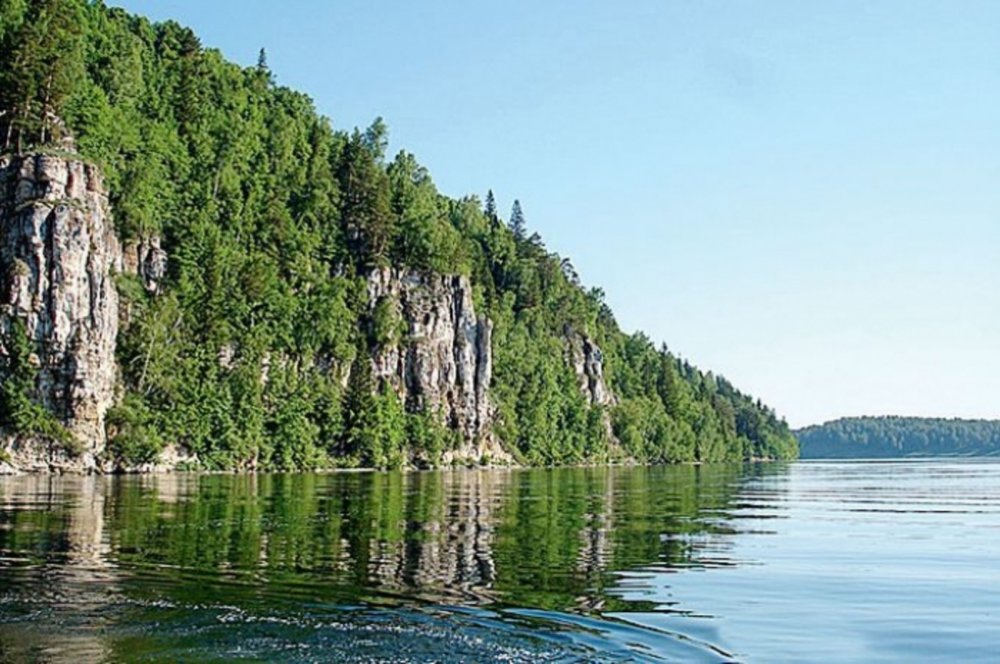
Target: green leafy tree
x=19 y=408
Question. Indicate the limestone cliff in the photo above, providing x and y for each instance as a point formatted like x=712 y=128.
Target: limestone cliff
x=588 y=364
x=58 y=253
x=58 y=258
x=441 y=360
x=147 y=260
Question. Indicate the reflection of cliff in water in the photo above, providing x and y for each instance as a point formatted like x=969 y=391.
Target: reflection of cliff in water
x=56 y=558
x=536 y=538
x=443 y=548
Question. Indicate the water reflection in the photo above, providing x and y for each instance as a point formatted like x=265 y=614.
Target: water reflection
x=558 y=540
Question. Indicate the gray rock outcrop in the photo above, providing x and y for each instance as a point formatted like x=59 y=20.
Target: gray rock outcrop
x=58 y=254
x=442 y=361
x=588 y=364
x=147 y=260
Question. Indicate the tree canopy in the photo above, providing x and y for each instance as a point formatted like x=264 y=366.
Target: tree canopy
x=272 y=218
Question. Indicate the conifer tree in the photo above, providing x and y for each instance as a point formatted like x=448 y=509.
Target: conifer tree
x=367 y=205
x=359 y=408
x=517 y=220
x=491 y=207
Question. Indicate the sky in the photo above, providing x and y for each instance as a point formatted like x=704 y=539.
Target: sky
x=802 y=197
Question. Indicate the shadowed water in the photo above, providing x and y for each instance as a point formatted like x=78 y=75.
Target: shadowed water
x=808 y=562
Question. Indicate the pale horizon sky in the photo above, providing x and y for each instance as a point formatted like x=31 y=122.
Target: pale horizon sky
x=802 y=197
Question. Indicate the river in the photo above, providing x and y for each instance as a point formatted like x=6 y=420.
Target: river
x=810 y=561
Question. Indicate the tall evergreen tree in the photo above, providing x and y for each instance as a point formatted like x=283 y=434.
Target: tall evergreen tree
x=491 y=207
x=367 y=206
x=517 y=225
x=360 y=417
x=376 y=139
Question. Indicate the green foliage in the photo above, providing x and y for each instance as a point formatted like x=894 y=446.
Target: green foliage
x=366 y=210
x=427 y=437
x=423 y=237
x=517 y=223
x=134 y=436
x=891 y=437
x=40 y=64
x=389 y=449
x=272 y=220
x=360 y=421
x=20 y=412
x=387 y=325
x=375 y=431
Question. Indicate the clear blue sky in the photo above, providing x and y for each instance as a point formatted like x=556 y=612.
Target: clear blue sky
x=802 y=196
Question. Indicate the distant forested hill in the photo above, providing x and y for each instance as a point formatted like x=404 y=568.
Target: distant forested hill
x=889 y=437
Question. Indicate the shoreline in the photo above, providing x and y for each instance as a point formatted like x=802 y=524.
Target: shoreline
x=61 y=472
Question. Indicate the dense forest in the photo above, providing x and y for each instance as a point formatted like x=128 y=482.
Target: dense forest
x=889 y=437
x=272 y=219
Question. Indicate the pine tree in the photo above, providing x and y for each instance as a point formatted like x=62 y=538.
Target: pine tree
x=376 y=139
x=367 y=206
x=517 y=220
x=491 y=207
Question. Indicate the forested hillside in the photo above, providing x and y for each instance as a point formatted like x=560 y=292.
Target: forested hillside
x=890 y=437
x=253 y=349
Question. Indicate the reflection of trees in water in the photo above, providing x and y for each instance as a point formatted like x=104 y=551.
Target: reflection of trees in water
x=536 y=538
x=568 y=531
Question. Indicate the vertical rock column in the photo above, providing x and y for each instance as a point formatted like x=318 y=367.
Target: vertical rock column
x=588 y=364
x=58 y=254
x=445 y=362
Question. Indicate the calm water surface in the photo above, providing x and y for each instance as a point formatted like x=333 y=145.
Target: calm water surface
x=891 y=561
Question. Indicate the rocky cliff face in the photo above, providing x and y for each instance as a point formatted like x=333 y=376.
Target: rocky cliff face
x=442 y=357
x=588 y=363
x=58 y=253
x=147 y=260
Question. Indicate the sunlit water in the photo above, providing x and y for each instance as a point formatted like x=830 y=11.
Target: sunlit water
x=814 y=562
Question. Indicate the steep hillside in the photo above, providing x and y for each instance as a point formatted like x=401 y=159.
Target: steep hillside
x=291 y=296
